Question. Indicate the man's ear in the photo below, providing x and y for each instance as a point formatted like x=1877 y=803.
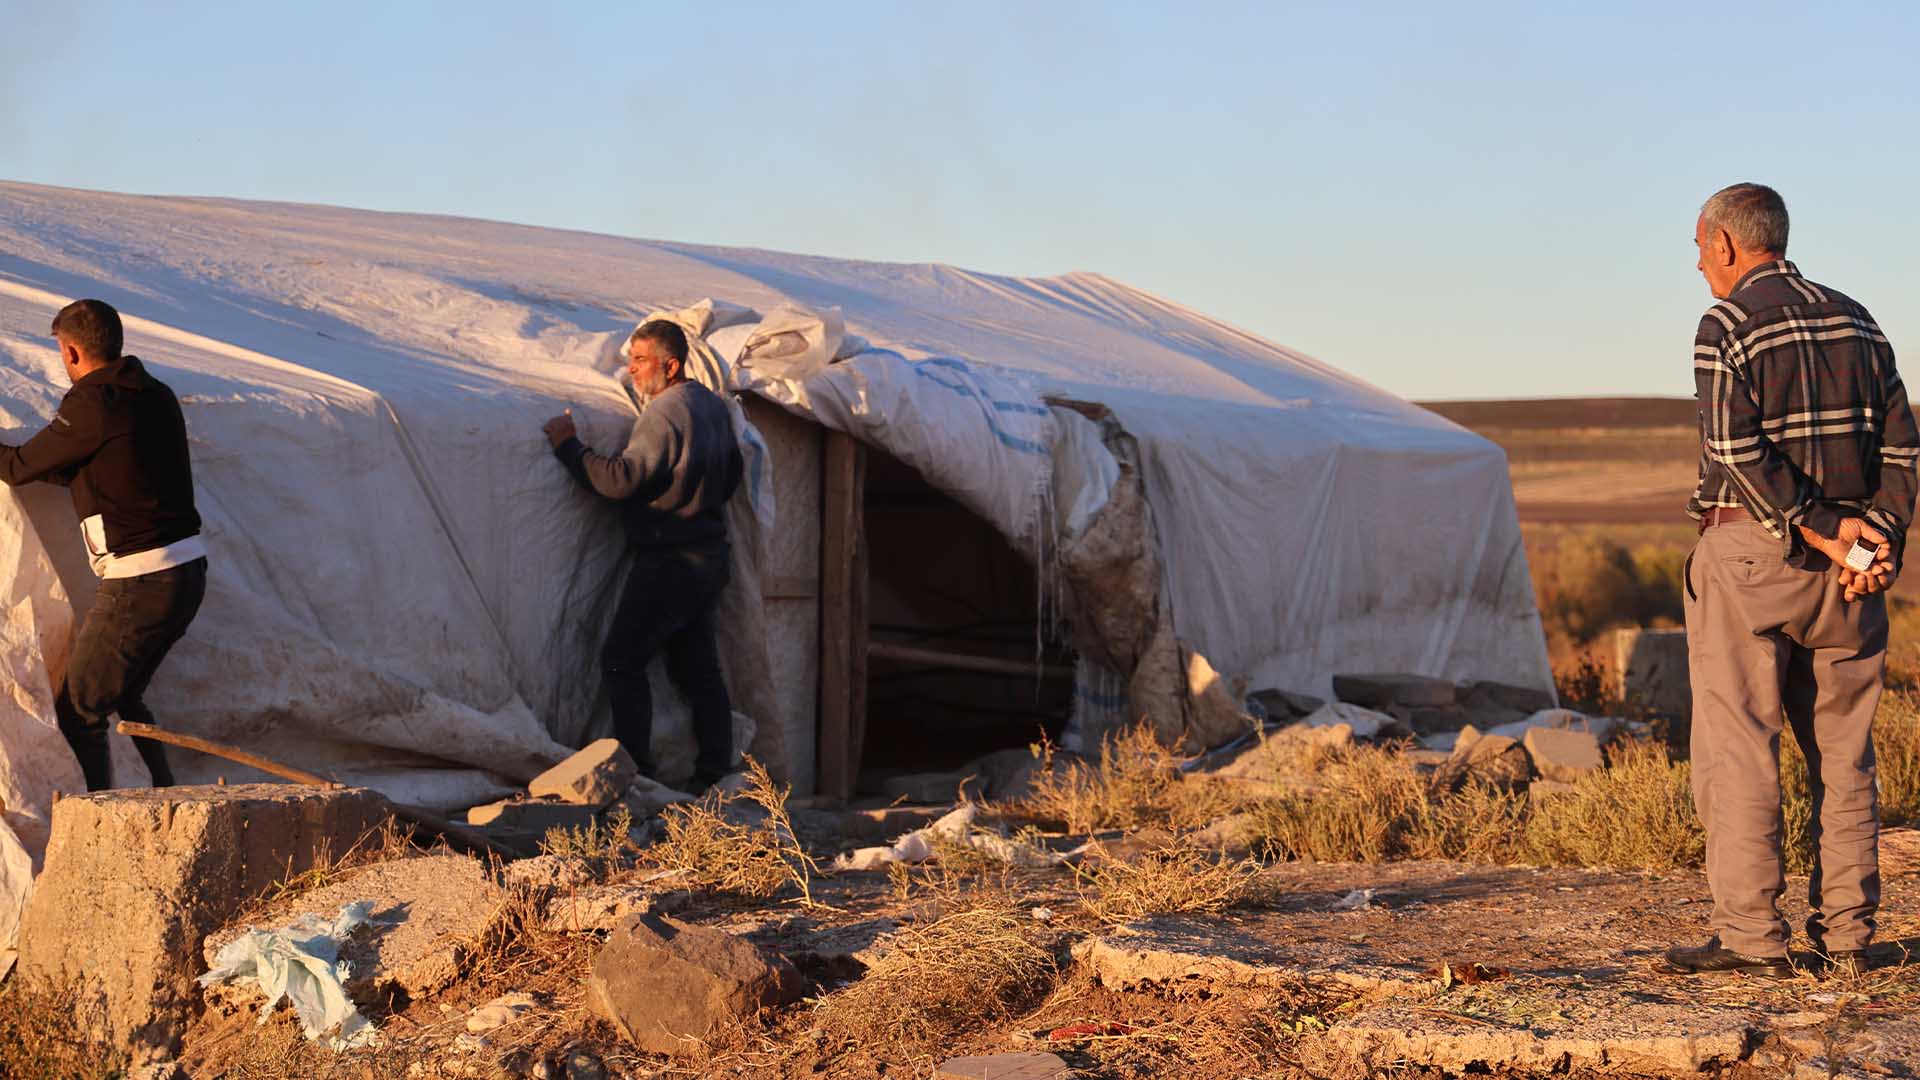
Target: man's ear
x=70 y=353
x=1723 y=247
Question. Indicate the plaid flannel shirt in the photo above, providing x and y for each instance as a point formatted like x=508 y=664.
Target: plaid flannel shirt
x=1803 y=419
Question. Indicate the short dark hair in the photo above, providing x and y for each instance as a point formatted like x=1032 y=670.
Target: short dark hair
x=1753 y=214
x=93 y=327
x=667 y=335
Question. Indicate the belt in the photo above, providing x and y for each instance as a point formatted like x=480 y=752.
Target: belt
x=1721 y=515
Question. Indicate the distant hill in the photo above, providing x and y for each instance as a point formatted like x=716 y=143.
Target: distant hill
x=1616 y=460
x=1594 y=412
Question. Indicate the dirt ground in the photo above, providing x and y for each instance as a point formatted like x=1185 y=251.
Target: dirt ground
x=1334 y=969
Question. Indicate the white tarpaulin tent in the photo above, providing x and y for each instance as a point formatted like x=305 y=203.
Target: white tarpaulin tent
x=406 y=592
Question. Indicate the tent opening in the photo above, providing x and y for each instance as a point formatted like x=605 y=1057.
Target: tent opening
x=960 y=658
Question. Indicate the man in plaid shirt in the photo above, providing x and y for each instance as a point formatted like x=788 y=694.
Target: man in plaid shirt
x=1807 y=447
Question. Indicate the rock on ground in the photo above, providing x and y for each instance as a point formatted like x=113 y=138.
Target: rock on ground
x=665 y=984
x=1379 y=691
x=1282 y=704
x=136 y=878
x=1565 y=756
x=1363 y=722
x=428 y=913
x=1496 y=760
x=534 y=816
x=1486 y=695
x=1004 y=1067
x=595 y=776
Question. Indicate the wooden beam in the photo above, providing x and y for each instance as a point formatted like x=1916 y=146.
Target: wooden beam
x=881 y=650
x=461 y=837
x=840 y=525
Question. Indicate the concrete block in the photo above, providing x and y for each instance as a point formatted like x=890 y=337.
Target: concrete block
x=595 y=776
x=1652 y=670
x=136 y=878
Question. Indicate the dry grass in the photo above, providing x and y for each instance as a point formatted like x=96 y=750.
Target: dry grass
x=974 y=966
x=600 y=847
x=43 y=1036
x=1138 y=783
x=708 y=848
x=1176 y=878
x=1635 y=814
x=1360 y=813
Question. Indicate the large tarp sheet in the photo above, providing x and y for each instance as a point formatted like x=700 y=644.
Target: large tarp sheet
x=407 y=592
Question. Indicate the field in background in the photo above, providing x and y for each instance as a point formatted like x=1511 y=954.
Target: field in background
x=1601 y=485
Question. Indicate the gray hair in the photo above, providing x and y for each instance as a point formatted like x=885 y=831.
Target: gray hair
x=1753 y=214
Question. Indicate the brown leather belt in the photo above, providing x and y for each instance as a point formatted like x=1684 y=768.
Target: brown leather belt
x=1721 y=515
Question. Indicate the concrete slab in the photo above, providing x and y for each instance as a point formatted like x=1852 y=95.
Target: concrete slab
x=135 y=879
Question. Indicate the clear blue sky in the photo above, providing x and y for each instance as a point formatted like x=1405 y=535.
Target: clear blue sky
x=1449 y=200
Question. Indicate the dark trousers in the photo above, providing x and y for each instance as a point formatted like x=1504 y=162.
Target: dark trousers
x=132 y=624
x=668 y=606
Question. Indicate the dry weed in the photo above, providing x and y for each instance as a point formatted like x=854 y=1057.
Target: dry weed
x=1896 y=747
x=1637 y=813
x=1360 y=813
x=1476 y=824
x=1137 y=783
x=43 y=1036
x=1172 y=879
x=970 y=968
x=709 y=849
x=600 y=847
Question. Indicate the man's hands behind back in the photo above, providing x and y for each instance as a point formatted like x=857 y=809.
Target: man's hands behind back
x=1876 y=578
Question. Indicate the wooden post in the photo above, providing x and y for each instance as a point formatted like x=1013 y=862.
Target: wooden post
x=843 y=614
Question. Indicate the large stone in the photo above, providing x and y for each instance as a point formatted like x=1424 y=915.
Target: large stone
x=136 y=878
x=428 y=913
x=1495 y=760
x=1600 y=727
x=1561 y=755
x=1284 y=704
x=1500 y=697
x=1364 y=723
x=534 y=816
x=1380 y=691
x=665 y=985
x=595 y=776
x=1652 y=670
x=1004 y=1067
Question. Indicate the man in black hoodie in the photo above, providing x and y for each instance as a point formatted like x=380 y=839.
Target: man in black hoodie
x=119 y=442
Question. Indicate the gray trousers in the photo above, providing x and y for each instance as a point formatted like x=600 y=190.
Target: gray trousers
x=1770 y=643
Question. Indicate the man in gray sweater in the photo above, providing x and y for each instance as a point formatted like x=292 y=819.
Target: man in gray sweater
x=673 y=479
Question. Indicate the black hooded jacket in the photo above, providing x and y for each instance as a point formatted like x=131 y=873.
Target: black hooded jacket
x=120 y=442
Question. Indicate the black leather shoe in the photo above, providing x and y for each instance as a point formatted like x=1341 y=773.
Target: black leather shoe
x=1710 y=959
